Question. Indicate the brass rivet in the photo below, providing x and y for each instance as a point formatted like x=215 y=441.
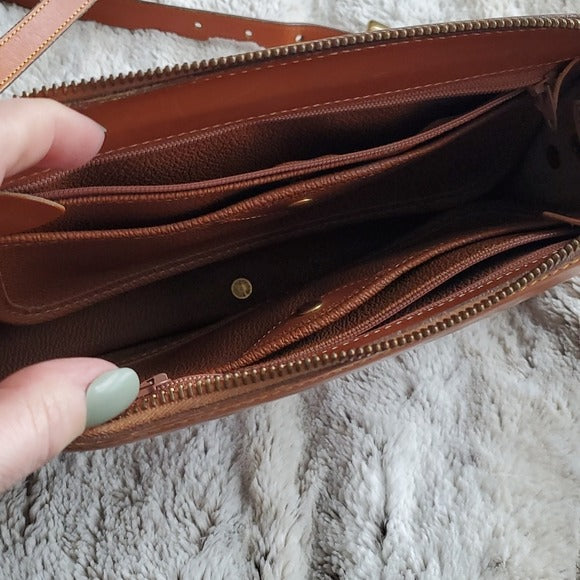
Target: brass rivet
x=309 y=308
x=301 y=202
x=242 y=288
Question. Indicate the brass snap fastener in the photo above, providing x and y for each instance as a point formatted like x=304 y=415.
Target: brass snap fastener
x=309 y=308
x=242 y=288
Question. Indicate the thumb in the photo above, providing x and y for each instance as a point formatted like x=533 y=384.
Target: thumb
x=46 y=406
x=44 y=133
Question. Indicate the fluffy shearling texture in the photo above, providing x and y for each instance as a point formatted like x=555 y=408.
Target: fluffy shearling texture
x=458 y=459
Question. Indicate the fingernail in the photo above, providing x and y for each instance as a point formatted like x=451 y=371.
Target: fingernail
x=110 y=394
x=103 y=129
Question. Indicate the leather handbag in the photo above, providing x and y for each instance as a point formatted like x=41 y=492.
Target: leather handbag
x=260 y=223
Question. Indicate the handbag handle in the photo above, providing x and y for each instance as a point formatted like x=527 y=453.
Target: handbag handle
x=48 y=19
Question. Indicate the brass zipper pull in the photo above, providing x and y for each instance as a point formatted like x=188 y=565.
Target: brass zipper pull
x=150 y=386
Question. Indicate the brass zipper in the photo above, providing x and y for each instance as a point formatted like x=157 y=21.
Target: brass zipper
x=160 y=390
x=96 y=87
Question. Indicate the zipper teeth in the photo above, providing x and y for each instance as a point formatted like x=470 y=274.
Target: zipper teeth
x=185 y=388
x=163 y=74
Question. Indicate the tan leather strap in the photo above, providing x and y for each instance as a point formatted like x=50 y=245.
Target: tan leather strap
x=50 y=18
x=20 y=46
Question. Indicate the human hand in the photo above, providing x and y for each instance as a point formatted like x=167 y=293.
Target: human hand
x=46 y=406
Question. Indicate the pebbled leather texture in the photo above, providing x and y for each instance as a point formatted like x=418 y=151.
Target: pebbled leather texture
x=366 y=209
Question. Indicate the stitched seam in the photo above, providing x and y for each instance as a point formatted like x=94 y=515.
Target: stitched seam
x=47 y=42
x=353 y=50
x=219 y=218
x=505 y=247
x=450 y=299
x=30 y=16
x=326 y=103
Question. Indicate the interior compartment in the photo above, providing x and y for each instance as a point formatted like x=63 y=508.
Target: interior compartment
x=317 y=178
x=352 y=299
x=372 y=242
x=461 y=272
x=431 y=178
x=290 y=144
x=203 y=176
x=194 y=300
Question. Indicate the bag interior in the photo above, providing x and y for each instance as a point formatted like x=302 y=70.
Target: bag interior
x=290 y=234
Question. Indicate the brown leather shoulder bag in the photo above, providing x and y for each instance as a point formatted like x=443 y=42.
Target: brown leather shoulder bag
x=260 y=223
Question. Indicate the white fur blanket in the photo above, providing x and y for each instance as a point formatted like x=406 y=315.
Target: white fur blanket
x=459 y=459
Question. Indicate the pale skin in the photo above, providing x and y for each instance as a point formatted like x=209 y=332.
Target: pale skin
x=42 y=407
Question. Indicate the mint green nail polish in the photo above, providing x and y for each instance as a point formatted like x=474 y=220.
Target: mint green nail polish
x=110 y=394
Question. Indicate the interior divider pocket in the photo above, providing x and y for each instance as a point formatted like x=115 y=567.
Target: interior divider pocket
x=197 y=299
x=270 y=143
x=443 y=277
x=338 y=301
x=139 y=206
x=93 y=204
